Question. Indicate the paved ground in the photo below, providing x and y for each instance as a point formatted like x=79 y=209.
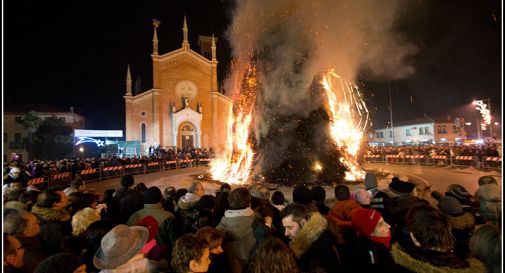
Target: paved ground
x=440 y=178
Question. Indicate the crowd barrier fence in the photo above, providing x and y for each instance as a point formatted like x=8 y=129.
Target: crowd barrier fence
x=486 y=162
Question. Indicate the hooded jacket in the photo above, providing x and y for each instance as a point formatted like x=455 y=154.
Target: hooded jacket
x=314 y=246
x=418 y=261
x=489 y=196
x=239 y=237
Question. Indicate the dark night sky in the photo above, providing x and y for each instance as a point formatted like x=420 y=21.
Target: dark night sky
x=75 y=53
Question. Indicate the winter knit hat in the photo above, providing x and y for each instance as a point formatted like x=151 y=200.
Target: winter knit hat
x=450 y=205
x=370 y=181
x=362 y=197
x=365 y=221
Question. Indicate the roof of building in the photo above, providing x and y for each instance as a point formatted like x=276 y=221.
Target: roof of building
x=41 y=108
x=421 y=120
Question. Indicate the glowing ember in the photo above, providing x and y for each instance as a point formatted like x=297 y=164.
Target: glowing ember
x=318 y=167
x=349 y=118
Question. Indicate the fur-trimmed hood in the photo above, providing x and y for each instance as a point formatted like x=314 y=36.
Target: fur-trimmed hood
x=489 y=192
x=464 y=221
x=49 y=214
x=403 y=259
x=310 y=233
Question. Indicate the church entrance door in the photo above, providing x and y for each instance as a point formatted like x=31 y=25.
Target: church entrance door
x=187 y=136
x=187 y=142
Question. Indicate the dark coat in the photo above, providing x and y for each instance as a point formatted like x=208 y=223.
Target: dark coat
x=129 y=201
x=370 y=256
x=34 y=254
x=314 y=247
x=54 y=226
x=419 y=261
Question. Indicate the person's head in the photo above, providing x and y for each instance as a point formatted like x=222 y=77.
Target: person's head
x=370 y=181
x=98 y=229
x=62 y=263
x=429 y=228
x=400 y=187
x=13 y=195
x=140 y=187
x=318 y=193
x=362 y=197
x=450 y=206
x=21 y=223
x=485 y=245
x=169 y=193
x=82 y=219
x=190 y=254
x=119 y=245
x=483 y=180
x=127 y=181
x=180 y=193
x=278 y=198
x=13 y=251
x=207 y=201
x=108 y=194
x=369 y=223
x=225 y=187
x=152 y=195
x=342 y=192
x=196 y=188
x=239 y=198
x=55 y=199
x=14 y=172
x=262 y=193
x=29 y=197
x=273 y=256
x=294 y=216
x=214 y=237
x=301 y=195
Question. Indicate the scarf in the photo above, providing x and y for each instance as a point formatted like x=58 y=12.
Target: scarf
x=385 y=241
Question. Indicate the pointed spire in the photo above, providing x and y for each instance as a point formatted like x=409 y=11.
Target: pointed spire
x=156 y=24
x=213 y=47
x=128 y=82
x=185 y=43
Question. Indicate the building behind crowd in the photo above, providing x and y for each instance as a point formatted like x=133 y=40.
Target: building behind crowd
x=15 y=132
x=184 y=108
x=420 y=131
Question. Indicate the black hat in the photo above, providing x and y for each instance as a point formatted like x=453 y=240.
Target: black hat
x=401 y=187
x=450 y=205
x=127 y=180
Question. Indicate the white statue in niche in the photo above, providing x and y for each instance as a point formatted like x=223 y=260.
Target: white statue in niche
x=186 y=102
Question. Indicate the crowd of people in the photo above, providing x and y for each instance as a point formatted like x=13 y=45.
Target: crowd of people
x=46 y=168
x=431 y=150
x=135 y=228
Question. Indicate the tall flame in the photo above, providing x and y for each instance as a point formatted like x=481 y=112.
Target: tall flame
x=349 y=118
x=233 y=166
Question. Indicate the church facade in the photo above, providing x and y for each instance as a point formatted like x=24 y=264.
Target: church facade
x=184 y=109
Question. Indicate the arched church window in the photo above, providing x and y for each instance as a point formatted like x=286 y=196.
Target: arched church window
x=143 y=132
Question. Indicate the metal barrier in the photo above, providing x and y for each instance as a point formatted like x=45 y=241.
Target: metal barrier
x=437 y=160
x=202 y=161
x=113 y=171
x=170 y=164
x=153 y=167
x=134 y=169
x=185 y=163
x=492 y=162
x=36 y=181
x=466 y=161
x=374 y=158
x=89 y=174
x=60 y=179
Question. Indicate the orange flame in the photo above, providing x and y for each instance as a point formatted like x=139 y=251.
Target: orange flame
x=233 y=166
x=349 y=118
